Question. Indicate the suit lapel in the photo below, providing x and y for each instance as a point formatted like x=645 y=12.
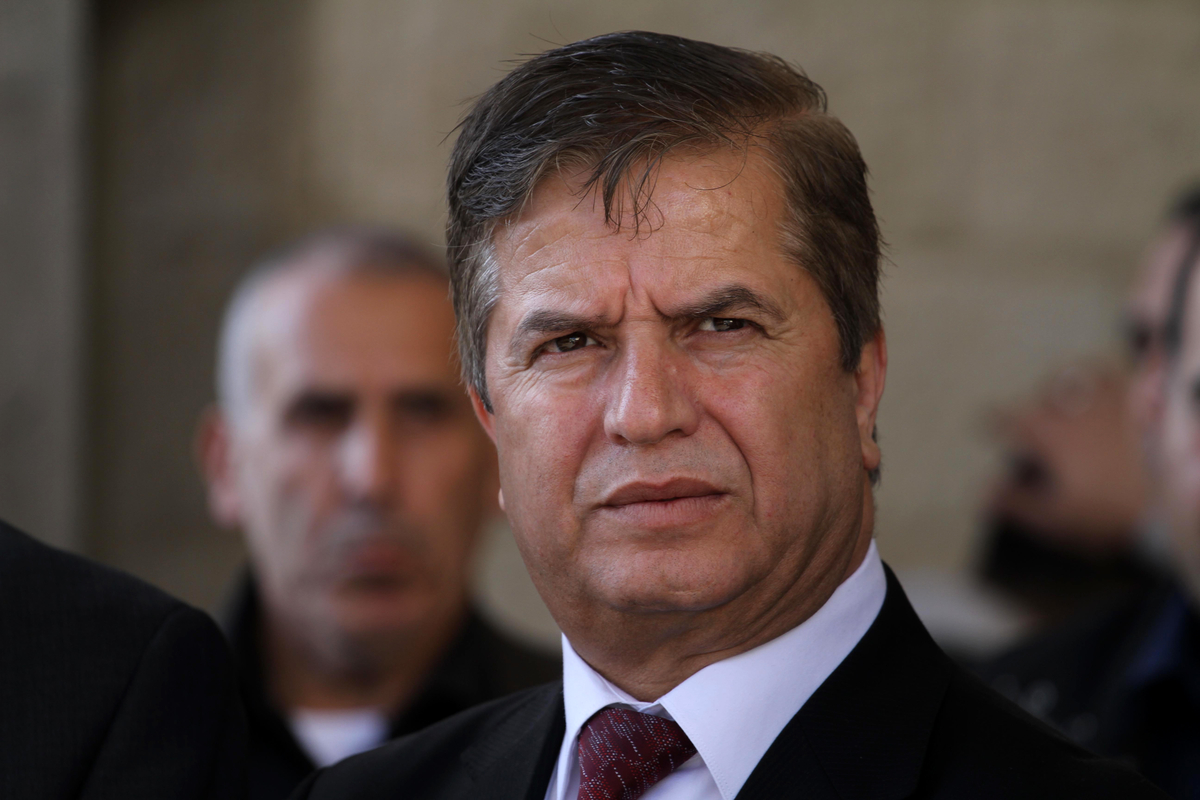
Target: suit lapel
x=864 y=732
x=515 y=760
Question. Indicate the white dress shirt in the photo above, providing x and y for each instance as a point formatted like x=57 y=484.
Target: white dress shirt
x=734 y=709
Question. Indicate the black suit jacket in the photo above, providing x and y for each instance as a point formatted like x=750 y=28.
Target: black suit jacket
x=481 y=664
x=108 y=687
x=1121 y=678
x=897 y=719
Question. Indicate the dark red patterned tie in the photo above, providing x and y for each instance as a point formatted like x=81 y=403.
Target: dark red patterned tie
x=622 y=753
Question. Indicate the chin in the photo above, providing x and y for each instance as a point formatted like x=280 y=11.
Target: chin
x=396 y=611
x=665 y=582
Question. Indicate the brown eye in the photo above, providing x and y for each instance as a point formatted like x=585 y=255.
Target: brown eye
x=722 y=324
x=572 y=341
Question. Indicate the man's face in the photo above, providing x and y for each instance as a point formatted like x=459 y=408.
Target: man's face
x=1179 y=445
x=359 y=473
x=1146 y=319
x=674 y=429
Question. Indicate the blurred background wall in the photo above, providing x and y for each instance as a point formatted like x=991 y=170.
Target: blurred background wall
x=1021 y=151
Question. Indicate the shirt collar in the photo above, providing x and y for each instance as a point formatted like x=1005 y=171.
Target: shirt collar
x=734 y=709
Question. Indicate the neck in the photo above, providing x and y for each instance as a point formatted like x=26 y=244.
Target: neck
x=648 y=655
x=381 y=671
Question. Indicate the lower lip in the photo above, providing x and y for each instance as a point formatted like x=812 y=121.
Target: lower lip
x=378 y=559
x=673 y=513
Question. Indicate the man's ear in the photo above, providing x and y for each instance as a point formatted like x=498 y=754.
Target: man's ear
x=869 y=379
x=214 y=455
x=486 y=418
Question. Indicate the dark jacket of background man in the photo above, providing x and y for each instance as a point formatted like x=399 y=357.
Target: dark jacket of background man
x=481 y=665
x=108 y=687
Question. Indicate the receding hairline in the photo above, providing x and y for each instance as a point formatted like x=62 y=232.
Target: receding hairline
x=327 y=257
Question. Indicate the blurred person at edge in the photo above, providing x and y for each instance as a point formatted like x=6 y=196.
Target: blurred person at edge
x=346 y=450
x=1074 y=517
x=110 y=688
x=1123 y=677
x=666 y=271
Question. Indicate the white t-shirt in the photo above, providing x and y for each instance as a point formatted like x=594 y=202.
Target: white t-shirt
x=330 y=736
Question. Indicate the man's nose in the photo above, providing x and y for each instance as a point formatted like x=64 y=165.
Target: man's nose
x=650 y=398
x=368 y=460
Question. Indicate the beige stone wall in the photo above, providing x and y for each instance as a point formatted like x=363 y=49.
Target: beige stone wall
x=1021 y=152
x=41 y=268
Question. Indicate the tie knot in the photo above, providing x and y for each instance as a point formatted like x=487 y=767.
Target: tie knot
x=622 y=753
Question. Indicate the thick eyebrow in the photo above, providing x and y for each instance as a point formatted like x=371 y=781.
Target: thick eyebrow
x=545 y=321
x=725 y=300
x=729 y=301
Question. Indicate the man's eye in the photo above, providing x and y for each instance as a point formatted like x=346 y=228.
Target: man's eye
x=572 y=341
x=722 y=324
x=316 y=410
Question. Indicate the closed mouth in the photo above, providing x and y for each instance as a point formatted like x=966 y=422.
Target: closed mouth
x=660 y=492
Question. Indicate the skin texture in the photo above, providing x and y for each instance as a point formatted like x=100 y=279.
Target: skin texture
x=682 y=458
x=1179 y=445
x=360 y=478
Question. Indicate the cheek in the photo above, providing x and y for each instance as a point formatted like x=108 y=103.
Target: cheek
x=543 y=439
x=1181 y=461
x=441 y=467
x=286 y=491
x=793 y=428
x=442 y=481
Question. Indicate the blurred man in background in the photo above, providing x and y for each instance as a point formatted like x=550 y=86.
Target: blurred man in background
x=346 y=450
x=1075 y=517
x=1124 y=678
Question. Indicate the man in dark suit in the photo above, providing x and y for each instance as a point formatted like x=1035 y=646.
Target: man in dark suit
x=108 y=687
x=346 y=452
x=665 y=270
x=1123 y=678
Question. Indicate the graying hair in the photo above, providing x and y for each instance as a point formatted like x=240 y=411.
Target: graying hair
x=338 y=251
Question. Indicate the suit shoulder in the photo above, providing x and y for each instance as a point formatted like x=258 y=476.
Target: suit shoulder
x=427 y=763
x=86 y=627
x=985 y=746
x=125 y=685
x=43 y=581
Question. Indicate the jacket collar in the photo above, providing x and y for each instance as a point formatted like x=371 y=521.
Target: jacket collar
x=516 y=758
x=864 y=733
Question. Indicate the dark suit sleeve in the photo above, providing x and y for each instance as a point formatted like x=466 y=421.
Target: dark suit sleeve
x=304 y=790
x=179 y=730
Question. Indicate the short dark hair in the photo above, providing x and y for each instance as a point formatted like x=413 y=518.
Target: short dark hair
x=617 y=104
